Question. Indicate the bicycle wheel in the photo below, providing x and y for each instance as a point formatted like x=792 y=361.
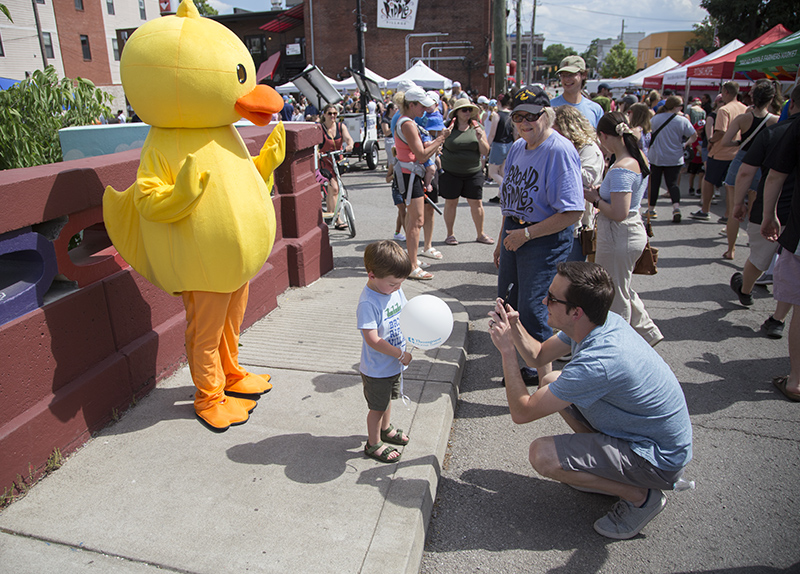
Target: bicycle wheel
x=349 y=217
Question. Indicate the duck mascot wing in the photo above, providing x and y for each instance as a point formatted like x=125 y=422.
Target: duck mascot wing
x=198 y=222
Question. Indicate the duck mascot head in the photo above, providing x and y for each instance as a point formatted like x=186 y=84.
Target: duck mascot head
x=198 y=222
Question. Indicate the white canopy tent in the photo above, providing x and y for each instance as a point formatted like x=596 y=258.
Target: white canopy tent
x=423 y=76
x=350 y=83
x=636 y=80
x=677 y=77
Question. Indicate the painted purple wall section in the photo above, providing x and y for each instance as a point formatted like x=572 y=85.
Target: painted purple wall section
x=69 y=365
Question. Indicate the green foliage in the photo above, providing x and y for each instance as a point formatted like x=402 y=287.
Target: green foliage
x=5 y=11
x=619 y=63
x=703 y=36
x=32 y=112
x=205 y=8
x=746 y=20
x=557 y=52
x=590 y=55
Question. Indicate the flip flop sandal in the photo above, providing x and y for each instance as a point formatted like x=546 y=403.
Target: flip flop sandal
x=432 y=253
x=485 y=239
x=397 y=438
x=780 y=384
x=451 y=240
x=383 y=456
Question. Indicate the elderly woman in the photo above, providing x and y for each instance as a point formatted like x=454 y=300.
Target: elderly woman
x=621 y=236
x=462 y=172
x=541 y=199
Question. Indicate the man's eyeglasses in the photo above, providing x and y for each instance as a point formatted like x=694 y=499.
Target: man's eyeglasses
x=520 y=117
x=551 y=299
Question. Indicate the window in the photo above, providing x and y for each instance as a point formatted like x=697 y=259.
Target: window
x=87 y=51
x=142 y=13
x=658 y=53
x=40 y=1
x=48 y=45
x=115 y=45
x=110 y=7
x=79 y=4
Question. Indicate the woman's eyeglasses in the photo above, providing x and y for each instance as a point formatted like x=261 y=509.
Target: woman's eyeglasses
x=520 y=117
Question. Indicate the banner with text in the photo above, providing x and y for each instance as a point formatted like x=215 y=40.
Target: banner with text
x=397 y=14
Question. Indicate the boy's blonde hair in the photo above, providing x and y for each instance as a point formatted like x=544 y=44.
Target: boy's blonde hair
x=387 y=259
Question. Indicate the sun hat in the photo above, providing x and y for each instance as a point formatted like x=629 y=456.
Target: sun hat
x=572 y=65
x=463 y=103
x=417 y=94
x=530 y=99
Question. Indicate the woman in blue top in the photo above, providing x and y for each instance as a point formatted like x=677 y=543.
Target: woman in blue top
x=621 y=236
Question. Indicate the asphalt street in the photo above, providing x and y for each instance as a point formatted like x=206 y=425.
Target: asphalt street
x=493 y=513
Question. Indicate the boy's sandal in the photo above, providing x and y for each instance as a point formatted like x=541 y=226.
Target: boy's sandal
x=420 y=274
x=397 y=438
x=451 y=240
x=383 y=456
x=433 y=253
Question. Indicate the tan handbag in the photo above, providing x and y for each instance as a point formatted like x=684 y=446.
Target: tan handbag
x=646 y=264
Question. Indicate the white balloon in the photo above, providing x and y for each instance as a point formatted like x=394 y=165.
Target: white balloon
x=426 y=322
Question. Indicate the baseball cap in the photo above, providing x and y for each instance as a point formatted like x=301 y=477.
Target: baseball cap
x=434 y=95
x=456 y=84
x=530 y=99
x=405 y=85
x=603 y=86
x=483 y=100
x=572 y=65
x=417 y=94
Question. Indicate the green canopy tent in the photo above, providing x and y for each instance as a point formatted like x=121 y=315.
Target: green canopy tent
x=778 y=60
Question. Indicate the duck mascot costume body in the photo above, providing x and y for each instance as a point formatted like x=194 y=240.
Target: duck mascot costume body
x=199 y=222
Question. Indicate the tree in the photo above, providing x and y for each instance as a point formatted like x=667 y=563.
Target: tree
x=746 y=20
x=619 y=63
x=590 y=56
x=703 y=36
x=205 y=8
x=554 y=53
x=32 y=112
x=5 y=11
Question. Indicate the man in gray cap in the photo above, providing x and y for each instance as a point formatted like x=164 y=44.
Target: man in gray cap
x=572 y=73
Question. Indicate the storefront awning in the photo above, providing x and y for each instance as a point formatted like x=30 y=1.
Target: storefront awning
x=285 y=21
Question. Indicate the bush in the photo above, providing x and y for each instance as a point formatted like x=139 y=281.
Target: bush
x=32 y=112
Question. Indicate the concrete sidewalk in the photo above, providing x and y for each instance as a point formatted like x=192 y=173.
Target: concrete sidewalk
x=290 y=491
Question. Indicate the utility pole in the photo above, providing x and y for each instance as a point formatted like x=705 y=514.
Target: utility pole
x=519 y=44
x=360 y=28
x=532 y=51
x=499 y=46
x=622 y=33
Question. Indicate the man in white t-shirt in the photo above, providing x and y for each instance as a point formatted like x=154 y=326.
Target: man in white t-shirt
x=572 y=73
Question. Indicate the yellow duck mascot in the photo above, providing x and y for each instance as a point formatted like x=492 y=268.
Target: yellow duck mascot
x=199 y=222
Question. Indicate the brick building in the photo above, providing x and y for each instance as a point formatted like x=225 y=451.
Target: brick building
x=462 y=52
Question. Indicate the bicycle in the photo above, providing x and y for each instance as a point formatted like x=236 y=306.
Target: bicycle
x=343 y=206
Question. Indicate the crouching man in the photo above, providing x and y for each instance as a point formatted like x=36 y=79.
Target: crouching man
x=633 y=436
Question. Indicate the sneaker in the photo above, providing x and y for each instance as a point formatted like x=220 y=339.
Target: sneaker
x=626 y=520
x=529 y=376
x=651 y=214
x=773 y=328
x=495 y=199
x=676 y=215
x=722 y=220
x=700 y=214
x=765 y=279
x=717 y=196
x=691 y=192
x=399 y=236
x=745 y=299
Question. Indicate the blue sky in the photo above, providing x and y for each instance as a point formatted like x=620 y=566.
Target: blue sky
x=570 y=22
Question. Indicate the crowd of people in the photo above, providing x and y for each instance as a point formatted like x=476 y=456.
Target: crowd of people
x=573 y=163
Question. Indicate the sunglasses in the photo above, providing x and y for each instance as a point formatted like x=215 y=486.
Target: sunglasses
x=551 y=299
x=520 y=117
x=334 y=114
x=465 y=109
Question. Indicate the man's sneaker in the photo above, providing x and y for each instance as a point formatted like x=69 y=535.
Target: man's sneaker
x=495 y=199
x=745 y=299
x=676 y=215
x=399 y=236
x=773 y=328
x=651 y=214
x=691 y=192
x=722 y=220
x=529 y=376
x=717 y=196
x=700 y=214
x=765 y=279
x=626 y=520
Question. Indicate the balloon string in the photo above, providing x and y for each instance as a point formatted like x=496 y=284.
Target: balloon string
x=403 y=397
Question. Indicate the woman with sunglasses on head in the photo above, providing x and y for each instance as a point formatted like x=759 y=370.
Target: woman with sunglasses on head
x=621 y=236
x=541 y=199
x=333 y=134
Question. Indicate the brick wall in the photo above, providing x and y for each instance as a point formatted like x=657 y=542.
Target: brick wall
x=335 y=39
x=72 y=24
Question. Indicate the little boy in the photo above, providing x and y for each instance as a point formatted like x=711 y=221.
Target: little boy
x=383 y=351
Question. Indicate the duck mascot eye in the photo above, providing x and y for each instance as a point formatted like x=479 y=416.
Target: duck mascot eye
x=198 y=222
